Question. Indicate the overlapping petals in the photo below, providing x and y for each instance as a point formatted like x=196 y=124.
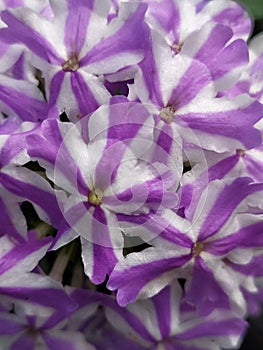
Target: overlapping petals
x=130 y=165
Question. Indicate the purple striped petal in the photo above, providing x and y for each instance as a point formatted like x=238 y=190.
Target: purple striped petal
x=164 y=317
x=22 y=98
x=212 y=117
x=12 y=220
x=214 y=328
x=205 y=295
x=249 y=236
x=40 y=290
x=75 y=35
x=24 y=342
x=66 y=340
x=227 y=201
x=191 y=192
x=28 y=27
x=132 y=275
x=29 y=185
x=9 y=324
x=126 y=43
x=103 y=253
x=225 y=61
x=28 y=255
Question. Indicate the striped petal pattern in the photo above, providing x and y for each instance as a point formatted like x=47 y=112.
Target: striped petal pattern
x=72 y=60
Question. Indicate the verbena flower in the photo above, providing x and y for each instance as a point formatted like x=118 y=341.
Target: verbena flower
x=154 y=193
x=217 y=233
x=77 y=46
x=97 y=181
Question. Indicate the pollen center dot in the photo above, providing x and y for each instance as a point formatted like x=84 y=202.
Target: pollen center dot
x=240 y=152
x=71 y=65
x=197 y=249
x=94 y=199
x=167 y=114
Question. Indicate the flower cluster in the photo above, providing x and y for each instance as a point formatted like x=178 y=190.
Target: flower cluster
x=131 y=162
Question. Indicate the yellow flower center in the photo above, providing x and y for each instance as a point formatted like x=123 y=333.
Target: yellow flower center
x=94 y=199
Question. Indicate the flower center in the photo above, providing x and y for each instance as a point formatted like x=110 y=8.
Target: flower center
x=197 y=249
x=240 y=152
x=71 y=65
x=94 y=199
x=167 y=114
x=176 y=48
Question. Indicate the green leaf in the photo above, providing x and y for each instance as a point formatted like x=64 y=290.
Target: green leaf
x=254 y=7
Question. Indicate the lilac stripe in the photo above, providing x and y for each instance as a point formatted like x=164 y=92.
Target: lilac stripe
x=63 y=236
x=52 y=149
x=239 y=117
x=21 y=252
x=14 y=3
x=38 y=147
x=235 y=18
x=54 y=342
x=215 y=42
x=239 y=127
x=109 y=162
x=126 y=118
x=189 y=193
x=104 y=258
x=162 y=304
x=254 y=167
x=43 y=199
x=246 y=237
x=13 y=146
x=87 y=297
x=32 y=39
x=26 y=341
x=84 y=96
x=167 y=14
x=81 y=184
x=199 y=7
x=18 y=69
x=253 y=268
x=158 y=225
x=191 y=83
x=227 y=201
x=9 y=125
x=151 y=78
x=212 y=328
x=9 y=326
x=50 y=297
x=53 y=320
x=207 y=294
x=163 y=144
x=7 y=226
x=131 y=281
x=134 y=322
x=227 y=59
x=151 y=193
x=55 y=87
x=130 y=37
x=78 y=17
x=104 y=261
x=68 y=166
x=28 y=108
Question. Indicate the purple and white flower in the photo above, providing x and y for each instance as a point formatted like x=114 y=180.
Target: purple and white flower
x=219 y=228
x=78 y=46
x=102 y=178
